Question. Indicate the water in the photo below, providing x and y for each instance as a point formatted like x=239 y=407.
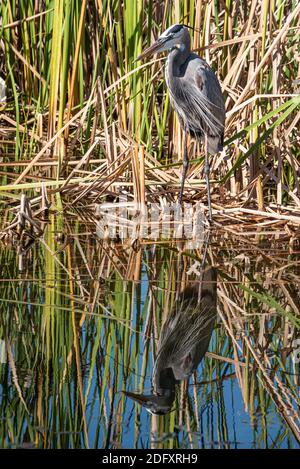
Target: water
x=80 y=323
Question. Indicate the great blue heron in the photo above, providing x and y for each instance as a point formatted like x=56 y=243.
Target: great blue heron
x=183 y=342
x=195 y=94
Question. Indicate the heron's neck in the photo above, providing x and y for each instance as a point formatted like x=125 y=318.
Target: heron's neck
x=164 y=382
x=177 y=57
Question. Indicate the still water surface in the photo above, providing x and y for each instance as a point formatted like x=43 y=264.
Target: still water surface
x=80 y=323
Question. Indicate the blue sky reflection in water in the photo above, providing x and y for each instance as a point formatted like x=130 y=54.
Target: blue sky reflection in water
x=250 y=403
x=244 y=431
x=224 y=422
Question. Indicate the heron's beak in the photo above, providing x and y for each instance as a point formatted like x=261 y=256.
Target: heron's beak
x=156 y=405
x=157 y=46
x=139 y=398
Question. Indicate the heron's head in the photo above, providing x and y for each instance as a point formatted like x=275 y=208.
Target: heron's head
x=176 y=36
x=155 y=405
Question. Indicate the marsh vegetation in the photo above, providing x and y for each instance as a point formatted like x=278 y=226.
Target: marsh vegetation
x=80 y=314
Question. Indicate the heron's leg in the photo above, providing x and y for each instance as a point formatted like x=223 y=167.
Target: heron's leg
x=179 y=276
x=206 y=172
x=185 y=165
x=206 y=245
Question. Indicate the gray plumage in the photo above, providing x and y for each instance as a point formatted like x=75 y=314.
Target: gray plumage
x=195 y=94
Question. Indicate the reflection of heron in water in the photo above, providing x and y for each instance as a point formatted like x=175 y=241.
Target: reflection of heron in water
x=183 y=342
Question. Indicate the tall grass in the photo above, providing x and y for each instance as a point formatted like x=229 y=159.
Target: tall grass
x=51 y=59
x=85 y=122
x=82 y=323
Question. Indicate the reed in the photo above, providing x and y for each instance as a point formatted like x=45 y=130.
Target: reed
x=80 y=316
x=51 y=60
x=83 y=324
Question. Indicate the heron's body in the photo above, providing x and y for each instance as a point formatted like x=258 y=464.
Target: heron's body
x=195 y=94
